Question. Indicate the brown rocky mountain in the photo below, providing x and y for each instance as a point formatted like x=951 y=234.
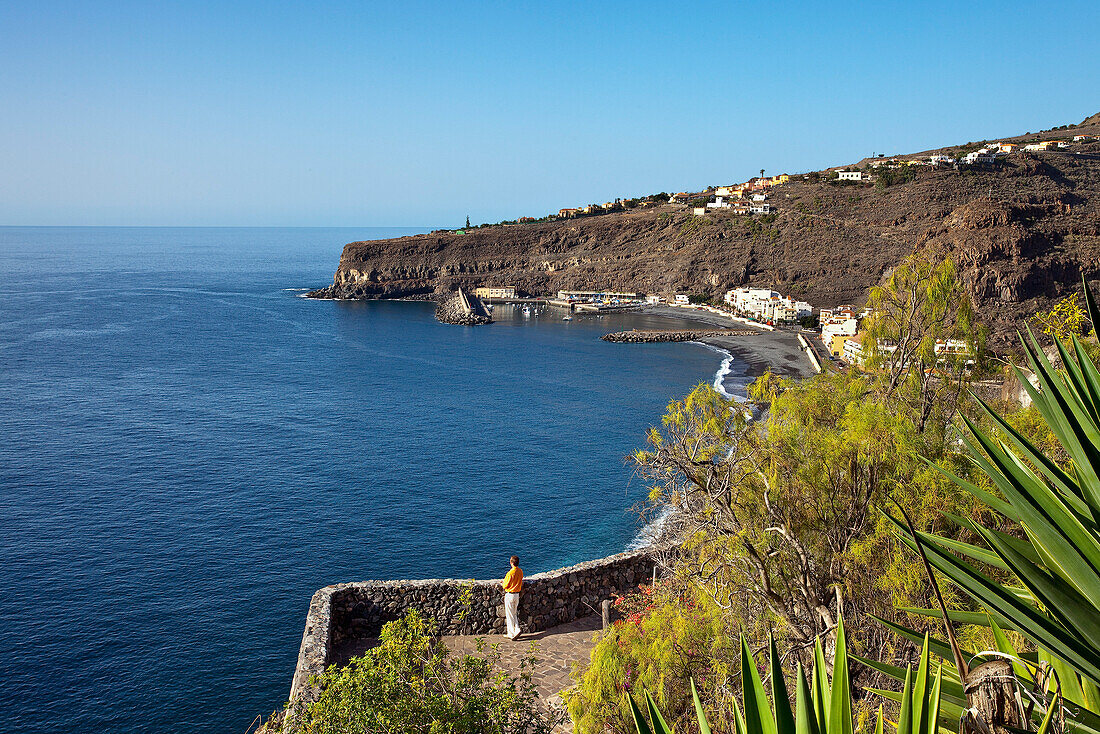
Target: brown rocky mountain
x=1022 y=231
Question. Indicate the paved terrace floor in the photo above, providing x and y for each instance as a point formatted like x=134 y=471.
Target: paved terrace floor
x=557 y=650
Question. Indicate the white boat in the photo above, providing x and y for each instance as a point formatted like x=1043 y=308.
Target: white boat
x=566 y=318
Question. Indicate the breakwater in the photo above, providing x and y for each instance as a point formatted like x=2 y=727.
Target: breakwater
x=635 y=336
x=342 y=614
x=463 y=309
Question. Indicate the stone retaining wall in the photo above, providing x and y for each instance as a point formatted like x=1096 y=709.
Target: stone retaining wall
x=345 y=612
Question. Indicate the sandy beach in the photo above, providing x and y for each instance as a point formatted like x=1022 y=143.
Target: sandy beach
x=778 y=350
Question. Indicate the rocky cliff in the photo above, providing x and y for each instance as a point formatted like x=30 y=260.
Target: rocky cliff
x=1022 y=232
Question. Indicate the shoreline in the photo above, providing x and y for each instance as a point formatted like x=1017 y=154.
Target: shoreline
x=777 y=350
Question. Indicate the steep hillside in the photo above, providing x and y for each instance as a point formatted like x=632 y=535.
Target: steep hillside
x=1022 y=232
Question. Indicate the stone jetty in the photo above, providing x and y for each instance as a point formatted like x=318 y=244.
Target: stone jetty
x=635 y=336
x=464 y=309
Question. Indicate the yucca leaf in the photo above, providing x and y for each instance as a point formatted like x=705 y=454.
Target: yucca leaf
x=1067 y=679
x=1026 y=618
x=700 y=715
x=1055 y=473
x=951 y=688
x=990 y=500
x=805 y=718
x=932 y=720
x=920 y=690
x=1069 y=421
x=820 y=687
x=1049 y=718
x=1090 y=305
x=1006 y=647
x=950 y=711
x=1090 y=694
x=1022 y=546
x=781 y=702
x=758 y=715
x=905 y=718
x=1057 y=530
x=1075 y=612
x=955 y=615
x=639 y=720
x=840 y=709
x=982 y=555
x=940 y=648
x=1076 y=380
x=659 y=725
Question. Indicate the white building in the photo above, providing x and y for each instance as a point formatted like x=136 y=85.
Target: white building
x=980 y=156
x=718 y=203
x=760 y=207
x=941 y=160
x=682 y=299
x=759 y=197
x=853 y=350
x=849 y=175
x=653 y=299
x=766 y=305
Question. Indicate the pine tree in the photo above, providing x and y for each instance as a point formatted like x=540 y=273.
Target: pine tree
x=467 y=221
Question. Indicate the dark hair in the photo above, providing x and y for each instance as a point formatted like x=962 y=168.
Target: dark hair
x=514 y=560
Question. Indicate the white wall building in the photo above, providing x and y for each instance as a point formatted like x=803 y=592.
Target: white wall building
x=838 y=327
x=849 y=175
x=760 y=207
x=766 y=305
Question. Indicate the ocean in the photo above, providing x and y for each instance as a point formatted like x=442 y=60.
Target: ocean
x=189 y=449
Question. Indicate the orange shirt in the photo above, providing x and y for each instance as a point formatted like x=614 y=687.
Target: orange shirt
x=513 y=582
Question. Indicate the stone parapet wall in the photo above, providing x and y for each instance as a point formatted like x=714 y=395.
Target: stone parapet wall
x=342 y=613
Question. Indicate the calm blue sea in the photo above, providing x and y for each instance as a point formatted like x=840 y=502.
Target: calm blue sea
x=188 y=450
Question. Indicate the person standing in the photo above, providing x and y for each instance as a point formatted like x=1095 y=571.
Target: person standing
x=513 y=584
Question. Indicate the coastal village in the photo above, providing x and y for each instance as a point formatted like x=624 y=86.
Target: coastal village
x=831 y=335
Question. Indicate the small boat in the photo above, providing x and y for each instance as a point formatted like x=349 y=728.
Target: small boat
x=566 y=318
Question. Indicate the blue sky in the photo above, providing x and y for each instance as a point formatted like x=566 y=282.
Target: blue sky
x=418 y=113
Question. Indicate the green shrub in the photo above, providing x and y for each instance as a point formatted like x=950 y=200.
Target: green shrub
x=669 y=636
x=411 y=683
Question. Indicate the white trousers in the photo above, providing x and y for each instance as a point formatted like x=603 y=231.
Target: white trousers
x=511 y=613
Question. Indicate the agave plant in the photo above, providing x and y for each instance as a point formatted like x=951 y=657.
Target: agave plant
x=822 y=706
x=1056 y=603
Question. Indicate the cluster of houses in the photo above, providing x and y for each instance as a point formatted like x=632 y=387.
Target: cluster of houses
x=842 y=337
x=750 y=197
x=986 y=154
x=766 y=305
x=606 y=208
